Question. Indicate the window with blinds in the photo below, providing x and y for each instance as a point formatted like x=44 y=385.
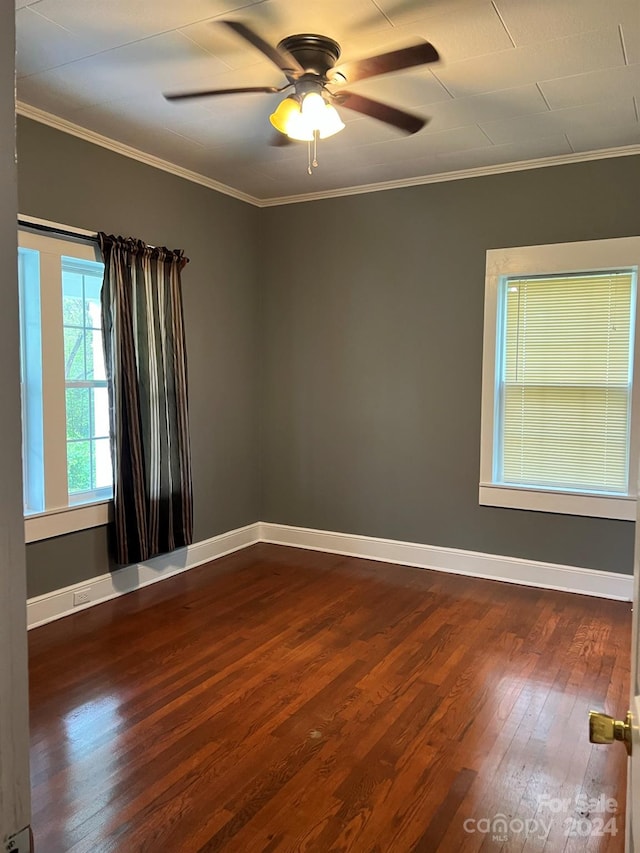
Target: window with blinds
x=564 y=374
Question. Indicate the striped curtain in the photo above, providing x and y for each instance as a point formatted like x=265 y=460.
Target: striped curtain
x=147 y=376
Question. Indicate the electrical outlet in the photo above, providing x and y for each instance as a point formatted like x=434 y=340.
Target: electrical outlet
x=20 y=842
x=82 y=596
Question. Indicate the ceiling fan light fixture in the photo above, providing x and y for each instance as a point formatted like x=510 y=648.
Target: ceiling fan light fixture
x=302 y=120
x=332 y=123
x=320 y=116
x=298 y=128
x=287 y=119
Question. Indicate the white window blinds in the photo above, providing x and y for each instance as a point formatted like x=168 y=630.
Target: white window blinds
x=564 y=381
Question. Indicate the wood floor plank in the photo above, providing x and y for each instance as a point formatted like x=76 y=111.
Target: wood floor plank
x=282 y=700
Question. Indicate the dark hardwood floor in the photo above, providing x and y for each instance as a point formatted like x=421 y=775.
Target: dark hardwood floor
x=286 y=700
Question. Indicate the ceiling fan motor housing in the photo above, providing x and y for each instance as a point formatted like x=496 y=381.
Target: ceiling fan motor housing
x=316 y=54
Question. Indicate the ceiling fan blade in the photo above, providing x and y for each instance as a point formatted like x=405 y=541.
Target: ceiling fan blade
x=383 y=112
x=178 y=96
x=284 y=60
x=395 y=60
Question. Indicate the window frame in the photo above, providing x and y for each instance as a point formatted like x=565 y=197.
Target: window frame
x=63 y=513
x=552 y=259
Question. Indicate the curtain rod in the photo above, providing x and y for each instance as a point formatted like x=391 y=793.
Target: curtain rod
x=65 y=230
x=56 y=228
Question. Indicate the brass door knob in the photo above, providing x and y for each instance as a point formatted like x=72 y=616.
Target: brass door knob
x=604 y=729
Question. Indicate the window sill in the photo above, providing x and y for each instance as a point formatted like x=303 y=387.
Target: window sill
x=568 y=503
x=68 y=519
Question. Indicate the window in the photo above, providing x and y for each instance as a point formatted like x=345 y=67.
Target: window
x=89 y=473
x=66 y=448
x=559 y=428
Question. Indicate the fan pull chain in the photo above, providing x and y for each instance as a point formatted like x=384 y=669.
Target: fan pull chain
x=312 y=164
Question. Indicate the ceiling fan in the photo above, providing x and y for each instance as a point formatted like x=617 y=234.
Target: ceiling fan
x=309 y=65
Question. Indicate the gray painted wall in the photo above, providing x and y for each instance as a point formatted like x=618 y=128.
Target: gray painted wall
x=341 y=389
x=15 y=805
x=67 y=180
x=372 y=337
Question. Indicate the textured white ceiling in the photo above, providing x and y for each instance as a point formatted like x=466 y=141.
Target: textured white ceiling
x=518 y=80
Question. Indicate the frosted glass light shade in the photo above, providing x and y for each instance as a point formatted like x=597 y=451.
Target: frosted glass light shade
x=331 y=122
x=312 y=109
x=287 y=118
x=320 y=116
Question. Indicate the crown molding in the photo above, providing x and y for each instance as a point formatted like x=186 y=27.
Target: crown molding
x=459 y=175
x=69 y=127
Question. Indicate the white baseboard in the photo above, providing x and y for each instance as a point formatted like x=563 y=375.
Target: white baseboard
x=456 y=561
x=54 y=605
